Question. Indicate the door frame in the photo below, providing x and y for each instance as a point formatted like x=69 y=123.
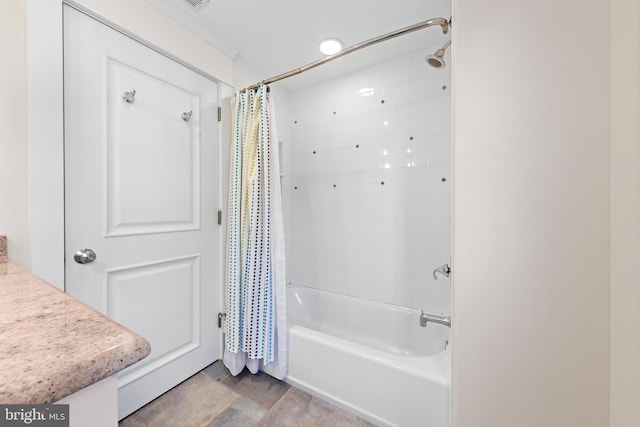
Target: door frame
x=46 y=131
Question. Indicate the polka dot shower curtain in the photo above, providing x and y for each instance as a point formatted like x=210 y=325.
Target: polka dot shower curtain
x=255 y=334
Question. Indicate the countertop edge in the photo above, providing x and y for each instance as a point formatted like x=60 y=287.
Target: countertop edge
x=40 y=365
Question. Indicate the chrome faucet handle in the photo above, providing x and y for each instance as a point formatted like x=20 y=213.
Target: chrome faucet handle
x=444 y=269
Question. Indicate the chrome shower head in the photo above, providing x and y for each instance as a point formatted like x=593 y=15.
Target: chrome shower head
x=436 y=60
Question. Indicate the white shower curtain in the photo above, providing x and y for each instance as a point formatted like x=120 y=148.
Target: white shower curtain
x=255 y=326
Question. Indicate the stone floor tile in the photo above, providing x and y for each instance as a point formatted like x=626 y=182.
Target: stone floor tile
x=261 y=388
x=217 y=370
x=243 y=413
x=300 y=409
x=194 y=403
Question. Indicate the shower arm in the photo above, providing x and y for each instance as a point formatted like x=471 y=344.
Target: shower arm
x=444 y=24
x=445 y=46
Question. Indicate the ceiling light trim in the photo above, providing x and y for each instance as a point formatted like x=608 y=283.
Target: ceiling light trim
x=331 y=46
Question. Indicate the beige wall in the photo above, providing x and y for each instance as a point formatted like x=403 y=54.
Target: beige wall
x=531 y=221
x=13 y=123
x=625 y=213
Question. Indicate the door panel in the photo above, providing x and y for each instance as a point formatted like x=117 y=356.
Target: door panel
x=141 y=190
x=175 y=286
x=170 y=181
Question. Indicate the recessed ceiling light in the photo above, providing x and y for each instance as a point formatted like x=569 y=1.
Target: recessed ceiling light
x=330 y=46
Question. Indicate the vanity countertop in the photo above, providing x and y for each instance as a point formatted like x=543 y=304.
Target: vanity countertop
x=52 y=345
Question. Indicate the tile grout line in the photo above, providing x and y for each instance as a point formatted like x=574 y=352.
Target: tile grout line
x=230 y=392
x=268 y=411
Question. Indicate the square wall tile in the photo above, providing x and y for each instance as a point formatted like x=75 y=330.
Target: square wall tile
x=369 y=184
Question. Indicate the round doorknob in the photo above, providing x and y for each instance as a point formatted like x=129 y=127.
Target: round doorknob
x=84 y=256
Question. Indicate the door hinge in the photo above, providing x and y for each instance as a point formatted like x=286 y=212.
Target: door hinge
x=220 y=317
x=219 y=114
x=219 y=217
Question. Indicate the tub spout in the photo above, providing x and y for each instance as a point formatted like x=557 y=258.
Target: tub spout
x=426 y=317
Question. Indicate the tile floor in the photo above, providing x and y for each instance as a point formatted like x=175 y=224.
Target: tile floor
x=214 y=398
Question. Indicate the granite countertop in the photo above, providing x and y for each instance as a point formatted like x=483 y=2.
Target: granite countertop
x=52 y=345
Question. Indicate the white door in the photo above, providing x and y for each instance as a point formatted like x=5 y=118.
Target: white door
x=141 y=191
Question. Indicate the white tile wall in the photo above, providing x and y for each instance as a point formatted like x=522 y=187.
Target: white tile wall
x=366 y=209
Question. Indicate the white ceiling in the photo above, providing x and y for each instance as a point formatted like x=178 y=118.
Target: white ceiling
x=276 y=36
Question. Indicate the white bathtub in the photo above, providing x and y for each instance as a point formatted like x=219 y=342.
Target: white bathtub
x=370 y=358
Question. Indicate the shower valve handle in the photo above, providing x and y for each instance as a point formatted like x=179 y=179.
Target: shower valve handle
x=444 y=269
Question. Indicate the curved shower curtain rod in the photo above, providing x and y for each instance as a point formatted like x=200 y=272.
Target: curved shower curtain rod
x=444 y=24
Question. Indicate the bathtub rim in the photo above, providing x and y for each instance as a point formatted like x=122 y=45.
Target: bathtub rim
x=388 y=307
x=423 y=366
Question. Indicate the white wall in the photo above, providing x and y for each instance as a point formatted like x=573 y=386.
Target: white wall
x=46 y=173
x=531 y=213
x=151 y=25
x=45 y=128
x=13 y=122
x=368 y=184
x=625 y=213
